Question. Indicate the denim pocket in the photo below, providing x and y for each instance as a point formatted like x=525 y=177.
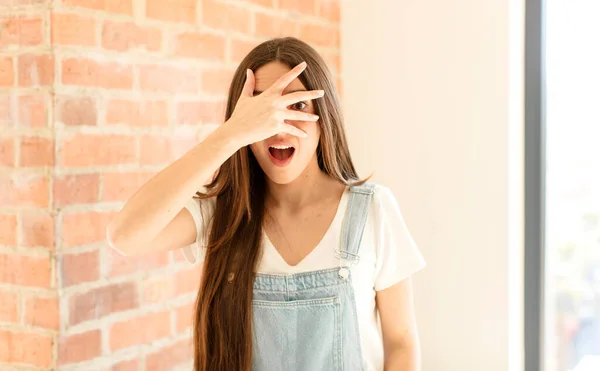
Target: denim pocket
x=297 y=335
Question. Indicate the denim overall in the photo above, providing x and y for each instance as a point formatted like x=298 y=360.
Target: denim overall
x=307 y=321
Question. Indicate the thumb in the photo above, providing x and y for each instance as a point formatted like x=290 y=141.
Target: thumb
x=248 y=89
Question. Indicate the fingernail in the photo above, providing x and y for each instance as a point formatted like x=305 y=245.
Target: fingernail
x=321 y=92
x=303 y=64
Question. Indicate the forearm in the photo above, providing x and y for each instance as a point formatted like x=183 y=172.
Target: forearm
x=157 y=202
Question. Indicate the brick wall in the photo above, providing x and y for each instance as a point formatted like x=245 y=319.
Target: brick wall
x=95 y=97
x=29 y=319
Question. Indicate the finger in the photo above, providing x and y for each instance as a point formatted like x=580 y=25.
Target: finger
x=299 y=96
x=292 y=130
x=286 y=79
x=299 y=116
x=248 y=89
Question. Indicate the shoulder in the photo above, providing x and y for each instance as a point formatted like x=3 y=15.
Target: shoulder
x=384 y=209
x=381 y=194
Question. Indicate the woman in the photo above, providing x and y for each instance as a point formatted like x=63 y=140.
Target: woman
x=304 y=266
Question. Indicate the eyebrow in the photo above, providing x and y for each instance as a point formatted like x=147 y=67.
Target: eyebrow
x=257 y=92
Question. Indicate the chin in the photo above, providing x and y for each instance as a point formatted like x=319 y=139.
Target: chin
x=281 y=174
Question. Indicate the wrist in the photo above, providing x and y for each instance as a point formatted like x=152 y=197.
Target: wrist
x=225 y=138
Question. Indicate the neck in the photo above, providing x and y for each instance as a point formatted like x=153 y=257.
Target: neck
x=308 y=187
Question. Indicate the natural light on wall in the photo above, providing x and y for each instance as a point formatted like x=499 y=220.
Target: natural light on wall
x=572 y=280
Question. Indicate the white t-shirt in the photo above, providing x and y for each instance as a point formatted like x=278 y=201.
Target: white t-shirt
x=388 y=254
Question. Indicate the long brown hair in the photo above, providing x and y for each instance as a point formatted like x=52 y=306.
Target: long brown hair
x=223 y=321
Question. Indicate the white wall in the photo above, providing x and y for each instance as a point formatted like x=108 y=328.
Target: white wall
x=433 y=102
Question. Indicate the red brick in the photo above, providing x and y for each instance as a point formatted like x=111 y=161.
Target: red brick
x=123 y=36
x=200 y=45
x=27 y=348
x=302 y=6
x=37 y=229
x=76 y=189
x=119 y=265
x=7 y=102
x=168 y=79
x=76 y=111
x=333 y=61
x=137 y=113
x=36 y=151
x=86 y=72
x=27 y=2
x=7 y=152
x=84 y=228
x=201 y=112
x=110 y=6
x=99 y=302
x=80 y=268
x=274 y=26
x=82 y=150
x=263 y=3
x=329 y=10
x=36 y=70
x=8 y=229
x=225 y=16
x=140 y=330
x=79 y=347
x=187 y=281
x=317 y=35
x=174 y=10
x=216 y=81
x=168 y=357
x=239 y=49
x=73 y=29
x=157 y=290
x=7 y=75
x=42 y=312
x=32 y=111
x=154 y=260
x=24 y=190
x=9 y=307
x=184 y=317
x=121 y=186
x=25 y=270
x=131 y=365
x=155 y=150
x=21 y=31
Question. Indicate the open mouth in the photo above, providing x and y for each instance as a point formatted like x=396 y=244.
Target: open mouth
x=281 y=155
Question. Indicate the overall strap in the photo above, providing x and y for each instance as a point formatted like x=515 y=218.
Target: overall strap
x=354 y=221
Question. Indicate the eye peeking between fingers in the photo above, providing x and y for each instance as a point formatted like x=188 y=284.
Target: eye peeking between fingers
x=298 y=106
